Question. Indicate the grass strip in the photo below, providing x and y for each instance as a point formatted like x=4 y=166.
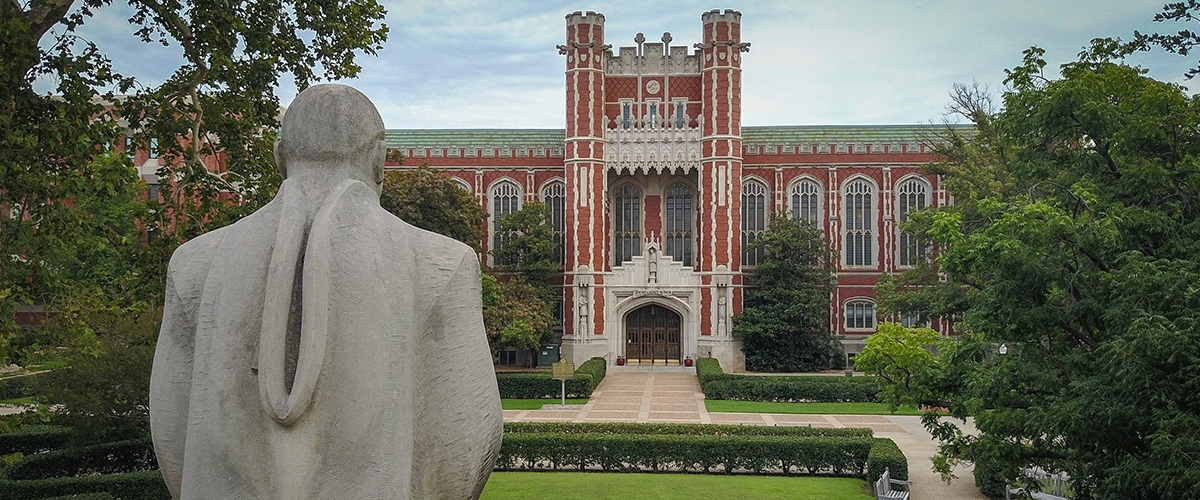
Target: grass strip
x=725 y=406
x=614 y=486
x=535 y=404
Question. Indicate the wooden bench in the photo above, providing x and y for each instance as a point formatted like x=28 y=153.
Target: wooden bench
x=884 y=490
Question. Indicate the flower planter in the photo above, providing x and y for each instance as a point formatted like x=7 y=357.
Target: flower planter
x=621 y=361
x=687 y=361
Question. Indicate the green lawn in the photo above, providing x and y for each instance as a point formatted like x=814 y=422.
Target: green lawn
x=807 y=408
x=614 y=486
x=535 y=404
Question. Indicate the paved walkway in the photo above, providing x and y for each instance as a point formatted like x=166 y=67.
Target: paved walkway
x=672 y=394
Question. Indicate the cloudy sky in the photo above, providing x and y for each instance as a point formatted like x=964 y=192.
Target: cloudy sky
x=493 y=64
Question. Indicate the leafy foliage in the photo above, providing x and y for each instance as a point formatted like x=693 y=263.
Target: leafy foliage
x=1078 y=250
x=73 y=235
x=432 y=201
x=719 y=385
x=129 y=486
x=529 y=248
x=900 y=357
x=516 y=314
x=784 y=323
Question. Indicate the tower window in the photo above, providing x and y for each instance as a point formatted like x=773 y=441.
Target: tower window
x=859 y=242
x=627 y=223
x=754 y=220
x=678 y=235
x=911 y=196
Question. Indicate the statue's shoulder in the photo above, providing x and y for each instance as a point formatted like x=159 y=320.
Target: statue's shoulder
x=195 y=255
x=424 y=241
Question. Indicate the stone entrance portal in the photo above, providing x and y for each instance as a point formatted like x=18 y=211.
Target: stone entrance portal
x=652 y=333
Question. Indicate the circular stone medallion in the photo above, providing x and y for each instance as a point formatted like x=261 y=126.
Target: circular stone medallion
x=652 y=87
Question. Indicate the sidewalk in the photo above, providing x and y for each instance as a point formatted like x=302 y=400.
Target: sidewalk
x=672 y=394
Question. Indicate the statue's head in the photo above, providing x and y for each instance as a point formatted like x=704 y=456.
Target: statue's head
x=332 y=131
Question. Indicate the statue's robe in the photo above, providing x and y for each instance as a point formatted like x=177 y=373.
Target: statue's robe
x=393 y=395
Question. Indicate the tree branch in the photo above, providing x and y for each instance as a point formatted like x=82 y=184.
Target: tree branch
x=43 y=15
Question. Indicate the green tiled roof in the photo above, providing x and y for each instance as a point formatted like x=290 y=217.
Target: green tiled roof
x=831 y=134
x=553 y=138
x=480 y=138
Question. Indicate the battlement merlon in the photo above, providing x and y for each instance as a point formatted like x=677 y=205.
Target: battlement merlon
x=722 y=29
x=716 y=16
x=579 y=17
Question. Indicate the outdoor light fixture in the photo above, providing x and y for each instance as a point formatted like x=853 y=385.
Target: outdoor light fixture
x=1003 y=349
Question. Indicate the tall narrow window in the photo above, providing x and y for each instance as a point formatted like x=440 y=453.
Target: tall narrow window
x=859 y=241
x=653 y=120
x=806 y=201
x=554 y=195
x=625 y=114
x=506 y=199
x=627 y=224
x=754 y=220
x=912 y=196
x=860 y=315
x=680 y=121
x=678 y=235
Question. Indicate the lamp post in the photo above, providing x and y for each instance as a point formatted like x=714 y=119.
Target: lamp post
x=1003 y=349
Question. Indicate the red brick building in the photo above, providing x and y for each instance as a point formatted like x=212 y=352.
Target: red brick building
x=656 y=189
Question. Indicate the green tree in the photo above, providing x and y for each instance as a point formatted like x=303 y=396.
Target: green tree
x=529 y=247
x=784 y=323
x=1083 y=263
x=211 y=124
x=516 y=314
x=432 y=201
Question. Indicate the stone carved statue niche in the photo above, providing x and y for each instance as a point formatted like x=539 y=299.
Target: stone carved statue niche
x=322 y=348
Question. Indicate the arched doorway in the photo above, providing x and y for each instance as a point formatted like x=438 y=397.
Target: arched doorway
x=652 y=332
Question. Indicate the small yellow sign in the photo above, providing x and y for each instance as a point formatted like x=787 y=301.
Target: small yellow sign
x=563 y=370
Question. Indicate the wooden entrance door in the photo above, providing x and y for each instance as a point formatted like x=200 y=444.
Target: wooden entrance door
x=652 y=333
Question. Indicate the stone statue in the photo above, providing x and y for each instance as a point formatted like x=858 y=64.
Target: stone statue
x=321 y=348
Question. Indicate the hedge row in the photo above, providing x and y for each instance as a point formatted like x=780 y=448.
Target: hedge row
x=717 y=384
x=685 y=453
x=108 y=458
x=610 y=428
x=596 y=368
x=147 y=485
x=34 y=439
x=16 y=387
x=537 y=385
x=886 y=455
x=84 y=496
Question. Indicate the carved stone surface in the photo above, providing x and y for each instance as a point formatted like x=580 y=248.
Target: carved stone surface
x=321 y=347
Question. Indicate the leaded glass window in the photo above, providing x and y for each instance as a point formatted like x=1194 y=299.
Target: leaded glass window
x=859 y=237
x=627 y=223
x=554 y=196
x=806 y=201
x=754 y=220
x=912 y=196
x=860 y=315
x=506 y=199
x=678 y=234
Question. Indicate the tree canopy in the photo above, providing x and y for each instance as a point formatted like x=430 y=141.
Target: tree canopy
x=1074 y=243
x=784 y=323
x=68 y=195
x=433 y=201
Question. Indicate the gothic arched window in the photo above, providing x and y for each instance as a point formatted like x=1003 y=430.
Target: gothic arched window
x=678 y=234
x=911 y=196
x=806 y=201
x=627 y=223
x=506 y=199
x=860 y=314
x=754 y=220
x=554 y=195
x=859 y=242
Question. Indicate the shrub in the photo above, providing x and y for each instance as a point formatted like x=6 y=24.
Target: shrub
x=84 y=496
x=886 y=455
x=534 y=385
x=17 y=387
x=717 y=384
x=34 y=439
x=147 y=485
x=108 y=458
x=596 y=367
x=679 y=429
x=686 y=453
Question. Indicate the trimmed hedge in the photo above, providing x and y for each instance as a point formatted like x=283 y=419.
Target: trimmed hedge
x=685 y=453
x=596 y=367
x=147 y=485
x=634 y=447
x=886 y=455
x=717 y=384
x=108 y=458
x=34 y=439
x=538 y=385
x=16 y=387
x=84 y=496
x=680 y=429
